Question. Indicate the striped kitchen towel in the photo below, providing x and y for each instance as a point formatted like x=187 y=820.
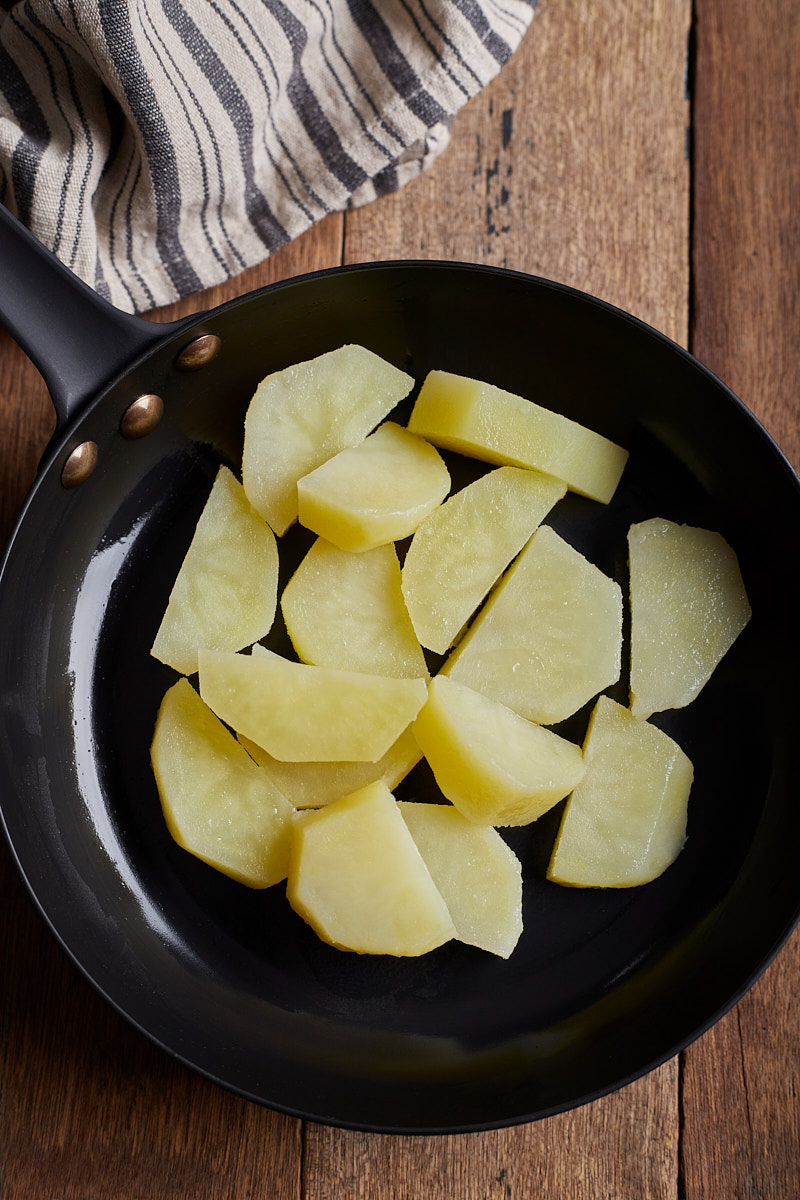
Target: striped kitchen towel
x=161 y=146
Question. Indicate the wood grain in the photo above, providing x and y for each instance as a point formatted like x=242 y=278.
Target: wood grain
x=624 y=1145
x=746 y=215
x=27 y=422
x=741 y=1093
x=92 y=1109
x=571 y=165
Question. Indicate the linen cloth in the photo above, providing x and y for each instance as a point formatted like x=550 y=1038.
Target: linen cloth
x=161 y=146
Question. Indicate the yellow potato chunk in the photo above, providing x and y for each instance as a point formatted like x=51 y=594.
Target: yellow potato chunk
x=218 y=804
x=347 y=610
x=303 y=415
x=375 y=492
x=301 y=713
x=688 y=606
x=315 y=784
x=460 y=551
x=477 y=874
x=359 y=880
x=486 y=422
x=493 y=765
x=626 y=820
x=549 y=638
x=226 y=590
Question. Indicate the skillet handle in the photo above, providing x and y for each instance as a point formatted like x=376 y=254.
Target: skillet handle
x=77 y=339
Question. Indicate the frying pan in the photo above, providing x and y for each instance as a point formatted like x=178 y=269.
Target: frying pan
x=604 y=985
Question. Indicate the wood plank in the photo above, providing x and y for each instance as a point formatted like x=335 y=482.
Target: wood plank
x=91 y=1108
x=88 y=1107
x=741 y=1094
x=623 y=1145
x=27 y=421
x=741 y=1105
x=570 y=165
x=746 y=261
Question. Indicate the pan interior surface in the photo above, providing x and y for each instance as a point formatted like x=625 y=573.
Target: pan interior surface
x=603 y=984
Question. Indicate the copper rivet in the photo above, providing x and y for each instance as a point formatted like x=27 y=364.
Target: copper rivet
x=142 y=416
x=80 y=464
x=199 y=352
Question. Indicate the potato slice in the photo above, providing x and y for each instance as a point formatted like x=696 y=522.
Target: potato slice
x=478 y=875
x=495 y=767
x=626 y=820
x=315 y=784
x=550 y=637
x=300 y=713
x=359 y=880
x=226 y=590
x=218 y=804
x=375 y=492
x=688 y=606
x=303 y=415
x=486 y=422
x=460 y=551
x=347 y=610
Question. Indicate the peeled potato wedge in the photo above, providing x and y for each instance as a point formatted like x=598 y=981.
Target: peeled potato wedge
x=688 y=606
x=486 y=422
x=478 y=875
x=218 y=804
x=315 y=784
x=357 y=877
x=493 y=765
x=549 y=638
x=347 y=611
x=625 y=823
x=301 y=416
x=374 y=493
x=460 y=551
x=301 y=713
x=226 y=591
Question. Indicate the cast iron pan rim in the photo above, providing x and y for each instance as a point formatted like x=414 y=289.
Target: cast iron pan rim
x=194 y=324
x=389 y=265
x=505 y=1122
x=414 y=1130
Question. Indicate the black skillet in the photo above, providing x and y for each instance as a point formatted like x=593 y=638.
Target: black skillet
x=604 y=985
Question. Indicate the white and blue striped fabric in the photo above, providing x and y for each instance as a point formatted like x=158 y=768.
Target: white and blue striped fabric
x=161 y=146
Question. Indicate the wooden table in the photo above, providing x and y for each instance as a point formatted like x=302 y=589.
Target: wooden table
x=647 y=151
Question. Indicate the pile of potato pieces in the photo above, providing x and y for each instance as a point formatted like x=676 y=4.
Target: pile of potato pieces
x=305 y=788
